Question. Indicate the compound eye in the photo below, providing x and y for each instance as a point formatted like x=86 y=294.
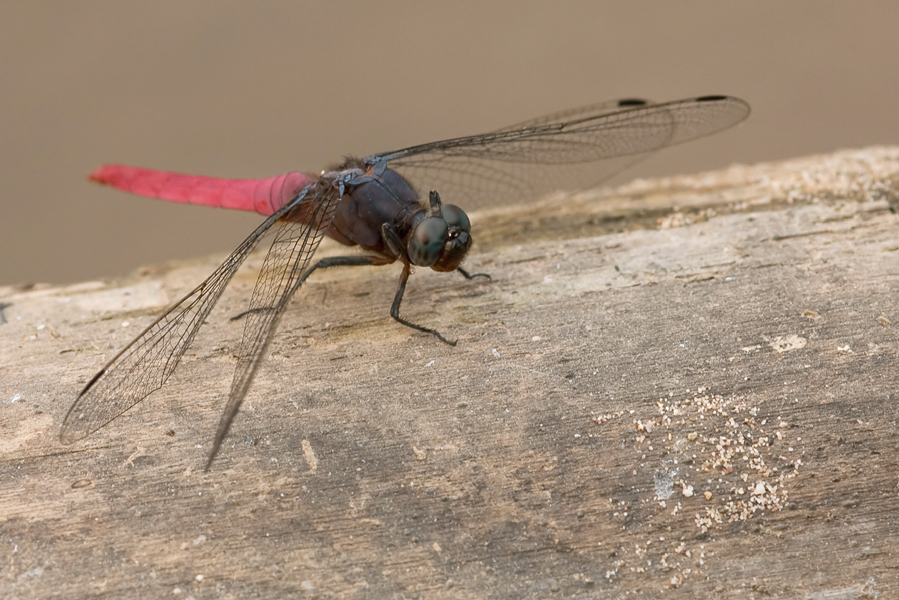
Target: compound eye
x=456 y=217
x=427 y=241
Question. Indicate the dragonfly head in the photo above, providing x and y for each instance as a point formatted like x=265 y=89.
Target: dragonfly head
x=441 y=239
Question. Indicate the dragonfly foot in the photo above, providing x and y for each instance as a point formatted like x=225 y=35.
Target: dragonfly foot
x=252 y=311
x=468 y=275
x=426 y=330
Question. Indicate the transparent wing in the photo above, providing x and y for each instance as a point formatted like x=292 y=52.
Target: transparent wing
x=581 y=112
x=568 y=150
x=298 y=236
x=147 y=362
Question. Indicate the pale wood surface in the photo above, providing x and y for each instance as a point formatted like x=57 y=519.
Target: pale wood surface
x=682 y=388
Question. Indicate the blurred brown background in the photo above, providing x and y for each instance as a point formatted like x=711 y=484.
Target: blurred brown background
x=237 y=89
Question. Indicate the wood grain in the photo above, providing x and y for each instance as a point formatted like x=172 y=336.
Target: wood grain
x=681 y=388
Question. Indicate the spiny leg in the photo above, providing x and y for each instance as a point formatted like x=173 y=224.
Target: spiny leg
x=395 y=309
x=332 y=261
x=468 y=275
x=360 y=261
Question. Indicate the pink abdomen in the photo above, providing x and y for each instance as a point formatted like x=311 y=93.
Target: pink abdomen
x=264 y=196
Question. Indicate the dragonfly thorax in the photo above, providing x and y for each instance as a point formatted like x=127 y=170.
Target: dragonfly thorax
x=383 y=213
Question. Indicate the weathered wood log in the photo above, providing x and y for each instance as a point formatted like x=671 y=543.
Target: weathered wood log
x=683 y=388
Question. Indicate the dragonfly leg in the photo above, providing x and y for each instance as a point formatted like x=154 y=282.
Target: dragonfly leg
x=331 y=261
x=241 y=315
x=468 y=275
x=346 y=261
x=394 y=243
x=395 y=309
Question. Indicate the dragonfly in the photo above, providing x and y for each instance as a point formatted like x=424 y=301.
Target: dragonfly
x=376 y=203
